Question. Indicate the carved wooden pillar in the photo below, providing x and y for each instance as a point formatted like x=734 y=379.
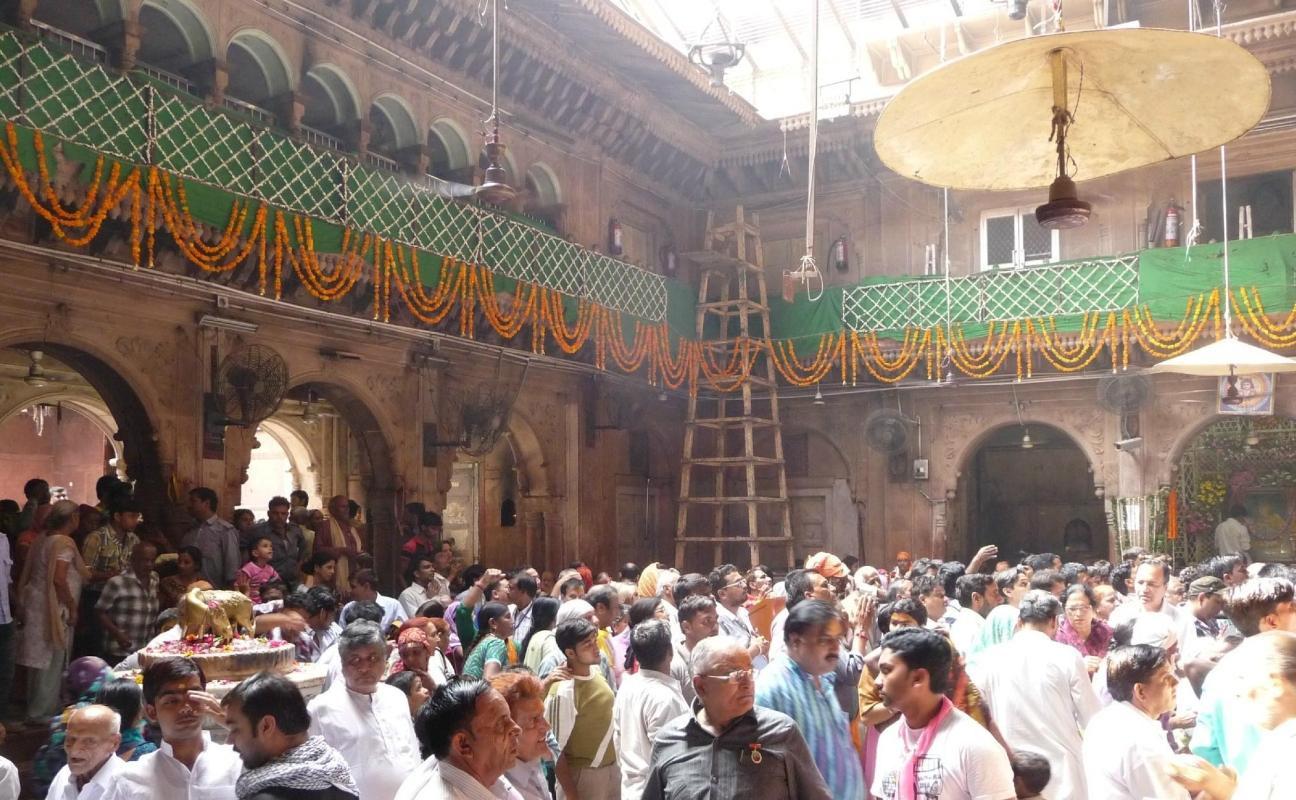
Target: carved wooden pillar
x=289 y=108
x=125 y=48
x=364 y=133
x=414 y=160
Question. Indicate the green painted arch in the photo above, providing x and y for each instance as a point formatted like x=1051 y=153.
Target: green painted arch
x=258 y=67
x=171 y=22
x=331 y=97
x=401 y=130
x=449 y=147
x=542 y=180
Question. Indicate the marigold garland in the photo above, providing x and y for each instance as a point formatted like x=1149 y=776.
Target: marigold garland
x=152 y=198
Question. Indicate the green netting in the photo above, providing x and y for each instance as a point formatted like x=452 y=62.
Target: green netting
x=68 y=97
x=293 y=175
x=11 y=53
x=198 y=143
x=1168 y=277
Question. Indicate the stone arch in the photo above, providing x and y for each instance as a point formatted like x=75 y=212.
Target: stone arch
x=258 y=67
x=997 y=505
x=135 y=421
x=394 y=128
x=1088 y=440
x=88 y=406
x=377 y=465
x=300 y=454
x=544 y=185
x=449 y=148
x=331 y=97
x=72 y=16
x=533 y=476
x=176 y=35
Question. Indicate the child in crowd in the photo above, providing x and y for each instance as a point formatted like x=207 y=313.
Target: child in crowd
x=1031 y=773
x=258 y=570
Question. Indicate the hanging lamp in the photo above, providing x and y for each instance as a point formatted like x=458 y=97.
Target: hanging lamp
x=495 y=188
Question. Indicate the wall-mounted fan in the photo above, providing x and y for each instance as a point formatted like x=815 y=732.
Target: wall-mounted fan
x=249 y=387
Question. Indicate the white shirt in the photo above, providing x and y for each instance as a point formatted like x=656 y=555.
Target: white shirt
x=392 y=611
x=521 y=622
x=1040 y=697
x=1267 y=770
x=1125 y=756
x=737 y=626
x=440 y=780
x=1184 y=624
x=964 y=762
x=159 y=775
x=778 y=647
x=413 y=597
x=64 y=787
x=9 y=786
x=373 y=732
x=1232 y=537
x=966 y=629
x=646 y=701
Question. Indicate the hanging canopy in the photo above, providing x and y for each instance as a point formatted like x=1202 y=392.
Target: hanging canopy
x=1228 y=356
x=1140 y=96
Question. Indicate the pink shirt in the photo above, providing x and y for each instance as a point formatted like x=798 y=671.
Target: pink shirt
x=257 y=576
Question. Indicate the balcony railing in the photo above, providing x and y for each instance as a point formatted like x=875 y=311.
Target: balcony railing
x=1102 y=284
x=168 y=78
x=82 y=48
x=380 y=161
x=319 y=138
x=237 y=150
x=250 y=110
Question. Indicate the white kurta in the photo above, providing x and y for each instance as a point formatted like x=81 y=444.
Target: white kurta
x=373 y=732
x=159 y=775
x=1185 y=627
x=965 y=630
x=1125 y=756
x=1040 y=698
x=63 y=787
x=1266 y=773
x=646 y=701
x=1232 y=537
x=438 y=780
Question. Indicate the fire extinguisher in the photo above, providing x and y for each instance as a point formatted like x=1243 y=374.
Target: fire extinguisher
x=1172 y=225
x=615 y=245
x=839 y=254
x=668 y=259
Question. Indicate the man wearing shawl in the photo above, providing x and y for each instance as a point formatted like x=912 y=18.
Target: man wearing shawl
x=268 y=724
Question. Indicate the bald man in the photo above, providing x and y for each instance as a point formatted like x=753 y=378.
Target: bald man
x=93 y=734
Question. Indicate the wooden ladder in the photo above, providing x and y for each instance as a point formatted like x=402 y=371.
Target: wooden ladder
x=725 y=325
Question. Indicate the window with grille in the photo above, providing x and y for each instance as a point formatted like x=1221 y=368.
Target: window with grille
x=1011 y=238
x=638 y=246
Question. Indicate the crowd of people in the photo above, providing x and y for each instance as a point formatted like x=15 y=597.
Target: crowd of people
x=917 y=680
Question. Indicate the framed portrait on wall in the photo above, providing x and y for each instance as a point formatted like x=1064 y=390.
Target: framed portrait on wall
x=1247 y=395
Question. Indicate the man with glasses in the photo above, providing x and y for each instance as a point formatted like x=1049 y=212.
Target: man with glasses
x=800 y=685
x=730 y=590
x=368 y=721
x=728 y=747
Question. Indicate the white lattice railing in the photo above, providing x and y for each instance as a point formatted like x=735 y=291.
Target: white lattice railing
x=48 y=88
x=84 y=48
x=317 y=138
x=1101 y=284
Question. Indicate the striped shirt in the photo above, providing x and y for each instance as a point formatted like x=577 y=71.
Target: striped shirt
x=784 y=686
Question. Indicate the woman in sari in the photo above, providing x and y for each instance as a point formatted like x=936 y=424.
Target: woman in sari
x=49 y=588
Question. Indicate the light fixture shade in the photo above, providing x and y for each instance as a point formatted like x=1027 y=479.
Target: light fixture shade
x=1228 y=356
x=981 y=122
x=1026 y=442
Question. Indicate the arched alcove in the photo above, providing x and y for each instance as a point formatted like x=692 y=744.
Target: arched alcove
x=176 y=35
x=331 y=99
x=360 y=456
x=393 y=127
x=1023 y=488
x=448 y=148
x=130 y=433
x=258 y=67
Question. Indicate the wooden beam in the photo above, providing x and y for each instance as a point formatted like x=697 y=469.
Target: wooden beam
x=904 y=23
x=805 y=57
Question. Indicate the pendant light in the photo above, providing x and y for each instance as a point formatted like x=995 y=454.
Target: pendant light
x=495 y=188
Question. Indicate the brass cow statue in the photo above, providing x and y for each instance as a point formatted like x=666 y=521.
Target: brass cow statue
x=223 y=614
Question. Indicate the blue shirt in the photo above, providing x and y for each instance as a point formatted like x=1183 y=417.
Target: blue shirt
x=1223 y=736
x=784 y=686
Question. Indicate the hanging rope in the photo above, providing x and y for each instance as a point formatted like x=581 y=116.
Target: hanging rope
x=808 y=271
x=1224 y=206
